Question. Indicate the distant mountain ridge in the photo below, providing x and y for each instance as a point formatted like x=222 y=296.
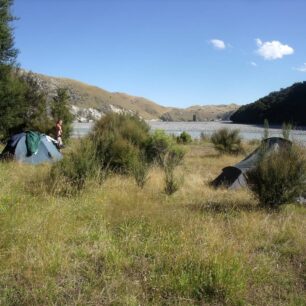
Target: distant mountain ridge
x=286 y=105
x=200 y=113
x=91 y=102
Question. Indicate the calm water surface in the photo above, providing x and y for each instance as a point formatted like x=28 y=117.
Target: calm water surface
x=196 y=128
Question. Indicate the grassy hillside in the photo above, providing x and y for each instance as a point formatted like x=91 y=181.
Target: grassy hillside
x=202 y=113
x=87 y=96
x=116 y=244
x=285 y=105
x=84 y=95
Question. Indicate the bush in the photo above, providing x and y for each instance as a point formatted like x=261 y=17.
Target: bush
x=60 y=110
x=279 y=177
x=227 y=141
x=286 y=130
x=120 y=140
x=266 y=129
x=170 y=161
x=184 y=138
x=140 y=170
x=158 y=145
x=69 y=175
x=24 y=106
x=204 y=137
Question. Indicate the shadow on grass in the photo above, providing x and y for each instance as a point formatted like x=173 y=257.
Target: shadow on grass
x=216 y=207
x=227 y=207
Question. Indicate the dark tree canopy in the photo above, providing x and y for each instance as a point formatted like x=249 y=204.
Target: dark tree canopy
x=23 y=104
x=285 y=105
x=8 y=53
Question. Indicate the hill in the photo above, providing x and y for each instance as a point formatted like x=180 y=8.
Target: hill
x=85 y=96
x=90 y=102
x=202 y=113
x=285 y=105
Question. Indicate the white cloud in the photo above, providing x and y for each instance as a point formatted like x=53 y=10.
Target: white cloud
x=218 y=44
x=301 y=68
x=271 y=50
x=253 y=64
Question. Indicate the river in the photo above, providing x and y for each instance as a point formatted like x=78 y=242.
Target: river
x=195 y=129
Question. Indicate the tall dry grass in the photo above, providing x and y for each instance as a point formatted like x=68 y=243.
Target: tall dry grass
x=118 y=244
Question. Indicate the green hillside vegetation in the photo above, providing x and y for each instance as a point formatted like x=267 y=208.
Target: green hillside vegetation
x=286 y=105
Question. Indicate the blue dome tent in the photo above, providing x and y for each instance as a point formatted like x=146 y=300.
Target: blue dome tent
x=32 y=148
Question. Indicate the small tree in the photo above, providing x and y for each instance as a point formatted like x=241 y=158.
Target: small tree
x=120 y=140
x=286 y=129
x=184 y=138
x=279 y=177
x=35 y=103
x=227 y=141
x=158 y=145
x=8 y=52
x=204 y=137
x=140 y=170
x=171 y=160
x=22 y=104
x=266 y=129
x=60 y=110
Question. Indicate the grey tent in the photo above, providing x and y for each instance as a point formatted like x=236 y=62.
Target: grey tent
x=234 y=177
x=45 y=149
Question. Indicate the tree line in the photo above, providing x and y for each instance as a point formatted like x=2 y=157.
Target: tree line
x=286 y=105
x=23 y=103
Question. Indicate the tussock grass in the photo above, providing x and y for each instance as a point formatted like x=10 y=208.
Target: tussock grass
x=118 y=244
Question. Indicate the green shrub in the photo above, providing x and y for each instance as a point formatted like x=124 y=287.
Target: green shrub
x=286 y=130
x=279 y=177
x=60 y=110
x=158 y=145
x=227 y=141
x=69 y=175
x=140 y=170
x=184 y=138
x=119 y=141
x=204 y=137
x=161 y=148
x=170 y=161
x=266 y=129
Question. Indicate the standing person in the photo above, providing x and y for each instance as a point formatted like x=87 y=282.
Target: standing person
x=58 y=133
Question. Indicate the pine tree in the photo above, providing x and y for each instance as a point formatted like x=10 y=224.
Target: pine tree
x=23 y=104
x=8 y=52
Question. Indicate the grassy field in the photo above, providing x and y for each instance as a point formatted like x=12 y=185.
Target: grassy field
x=117 y=244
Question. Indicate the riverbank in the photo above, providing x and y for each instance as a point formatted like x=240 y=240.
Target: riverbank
x=248 y=132
x=117 y=244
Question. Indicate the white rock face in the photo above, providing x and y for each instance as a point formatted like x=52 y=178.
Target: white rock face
x=82 y=114
x=92 y=114
x=85 y=114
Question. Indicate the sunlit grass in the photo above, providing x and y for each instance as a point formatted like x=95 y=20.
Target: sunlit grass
x=118 y=244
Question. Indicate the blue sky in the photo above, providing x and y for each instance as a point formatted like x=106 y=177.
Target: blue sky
x=176 y=53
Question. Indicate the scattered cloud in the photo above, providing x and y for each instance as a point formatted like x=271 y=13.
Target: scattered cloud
x=272 y=50
x=218 y=44
x=253 y=64
x=301 y=68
